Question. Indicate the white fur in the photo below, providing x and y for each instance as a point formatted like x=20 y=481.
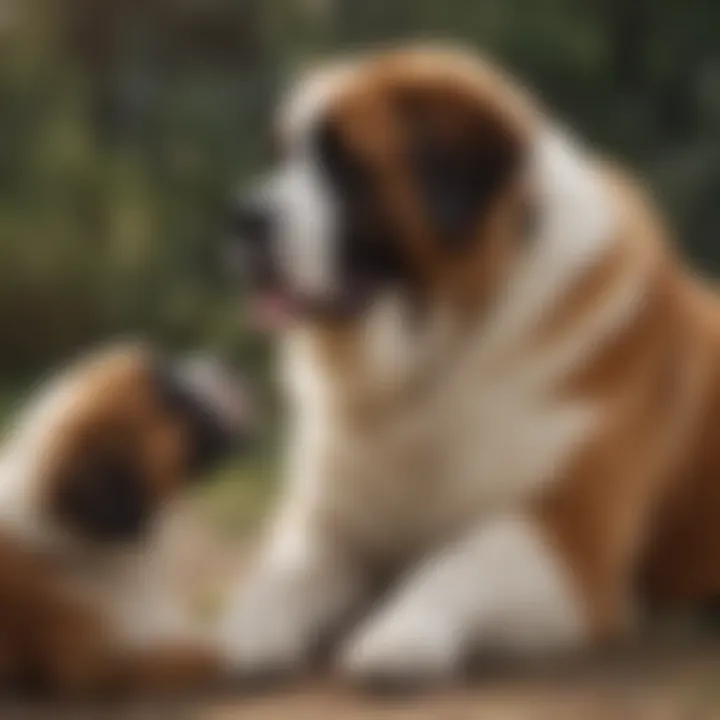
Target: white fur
x=312 y=93
x=300 y=195
x=498 y=588
x=574 y=230
x=28 y=440
x=448 y=468
x=132 y=588
x=301 y=201
x=306 y=587
x=306 y=212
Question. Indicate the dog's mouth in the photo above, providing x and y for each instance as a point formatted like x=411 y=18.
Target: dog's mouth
x=271 y=303
x=274 y=309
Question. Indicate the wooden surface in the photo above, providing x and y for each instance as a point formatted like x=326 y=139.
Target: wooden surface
x=662 y=682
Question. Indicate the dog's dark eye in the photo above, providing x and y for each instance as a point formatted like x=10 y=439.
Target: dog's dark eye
x=367 y=249
x=347 y=172
x=371 y=258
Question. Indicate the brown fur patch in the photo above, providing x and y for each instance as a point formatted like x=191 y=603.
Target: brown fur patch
x=52 y=644
x=118 y=421
x=649 y=380
x=681 y=564
x=465 y=112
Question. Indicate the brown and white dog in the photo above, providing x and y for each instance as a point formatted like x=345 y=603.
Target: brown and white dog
x=86 y=473
x=504 y=386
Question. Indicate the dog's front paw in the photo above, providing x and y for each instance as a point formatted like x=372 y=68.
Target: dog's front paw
x=259 y=648
x=400 y=651
x=262 y=641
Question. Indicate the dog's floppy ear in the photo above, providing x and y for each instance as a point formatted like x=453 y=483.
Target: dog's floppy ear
x=462 y=152
x=102 y=494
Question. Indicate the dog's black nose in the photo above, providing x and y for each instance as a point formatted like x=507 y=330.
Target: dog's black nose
x=251 y=222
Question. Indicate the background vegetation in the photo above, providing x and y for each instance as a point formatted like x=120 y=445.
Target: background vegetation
x=124 y=125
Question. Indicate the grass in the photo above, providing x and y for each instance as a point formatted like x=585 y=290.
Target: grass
x=236 y=494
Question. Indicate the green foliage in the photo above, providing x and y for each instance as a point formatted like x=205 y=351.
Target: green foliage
x=124 y=126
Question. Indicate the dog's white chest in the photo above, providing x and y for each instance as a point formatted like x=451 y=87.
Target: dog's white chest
x=409 y=480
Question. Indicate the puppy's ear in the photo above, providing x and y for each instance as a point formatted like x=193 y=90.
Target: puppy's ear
x=103 y=496
x=462 y=152
x=209 y=441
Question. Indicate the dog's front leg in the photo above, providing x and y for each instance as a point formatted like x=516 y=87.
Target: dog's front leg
x=301 y=588
x=501 y=587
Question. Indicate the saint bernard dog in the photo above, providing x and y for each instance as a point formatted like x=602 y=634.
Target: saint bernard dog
x=86 y=471
x=503 y=385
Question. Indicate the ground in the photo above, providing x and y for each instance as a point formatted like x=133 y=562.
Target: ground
x=662 y=684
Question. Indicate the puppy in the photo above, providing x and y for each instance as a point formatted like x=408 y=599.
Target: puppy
x=504 y=385
x=86 y=473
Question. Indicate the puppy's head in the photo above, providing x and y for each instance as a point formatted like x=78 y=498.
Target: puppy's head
x=400 y=172
x=119 y=435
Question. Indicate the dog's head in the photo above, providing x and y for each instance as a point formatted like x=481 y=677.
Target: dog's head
x=104 y=446
x=401 y=172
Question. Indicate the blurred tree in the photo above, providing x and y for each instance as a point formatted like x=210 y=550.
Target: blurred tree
x=125 y=125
